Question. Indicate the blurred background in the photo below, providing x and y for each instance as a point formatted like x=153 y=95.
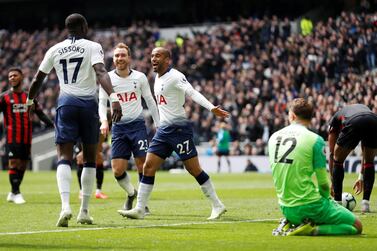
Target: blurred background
x=251 y=57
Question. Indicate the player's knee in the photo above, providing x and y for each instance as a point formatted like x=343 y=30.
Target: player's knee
x=15 y=164
x=148 y=167
x=117 y=171
x=139 y=167
x=359 y=226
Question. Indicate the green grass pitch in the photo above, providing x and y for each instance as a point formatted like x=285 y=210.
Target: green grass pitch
x=178 y=220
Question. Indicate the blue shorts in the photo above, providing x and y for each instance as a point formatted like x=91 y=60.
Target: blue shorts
x=127 y=138
x=75 y=123
x=177 y=138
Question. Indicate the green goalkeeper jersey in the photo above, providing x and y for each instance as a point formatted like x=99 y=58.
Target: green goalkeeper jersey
x=294 y=153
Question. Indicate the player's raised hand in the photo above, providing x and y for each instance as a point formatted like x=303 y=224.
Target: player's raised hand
x=104 y=128
x=358 y=186
x=117 y=111
x=220 y=112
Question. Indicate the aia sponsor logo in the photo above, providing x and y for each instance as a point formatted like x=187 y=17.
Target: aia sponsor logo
x=161 y=100
x=127 y=97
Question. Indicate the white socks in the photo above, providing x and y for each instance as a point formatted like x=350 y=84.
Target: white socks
x=209 y=191
x=143 y=195
x=88 y=177
x=64 y=177
x=125 y=183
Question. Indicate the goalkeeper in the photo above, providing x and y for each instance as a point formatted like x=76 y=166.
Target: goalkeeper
x=295 y=153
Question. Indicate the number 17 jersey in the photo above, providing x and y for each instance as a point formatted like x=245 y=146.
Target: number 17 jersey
x=294 y=154
x=73 y=60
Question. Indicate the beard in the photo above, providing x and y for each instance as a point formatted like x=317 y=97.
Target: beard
x=16 y=85
x=121 y=67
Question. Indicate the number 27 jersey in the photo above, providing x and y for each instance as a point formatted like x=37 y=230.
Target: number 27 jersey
x=294 y=153
x=73 y=60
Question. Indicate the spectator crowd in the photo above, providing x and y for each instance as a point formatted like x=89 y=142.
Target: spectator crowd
x=252 y=67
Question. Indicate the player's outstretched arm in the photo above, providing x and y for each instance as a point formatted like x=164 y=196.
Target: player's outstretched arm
x=203 y=101
x=104 y=79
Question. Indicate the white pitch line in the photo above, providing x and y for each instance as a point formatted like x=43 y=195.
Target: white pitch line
x=129 y=227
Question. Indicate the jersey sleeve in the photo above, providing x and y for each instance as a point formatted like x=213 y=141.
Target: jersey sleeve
x=319 y=155
x=47 y=62
x=184 y=85
x=102 y=104
x=149 y=100
x=97 y=55
x=335 y=123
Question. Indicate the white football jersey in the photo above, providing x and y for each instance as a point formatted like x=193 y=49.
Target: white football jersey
x=129 y=91
x=73 y=60
x=170 y=91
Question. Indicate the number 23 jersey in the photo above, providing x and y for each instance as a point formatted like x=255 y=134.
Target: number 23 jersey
x=73 y=60
x=294 y=154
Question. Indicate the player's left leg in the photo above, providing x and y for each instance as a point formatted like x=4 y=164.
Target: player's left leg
x=326 y=218
x=339 y=221
x=87 y=182
x=228 y=161
x=340 y=154
x=369 y=176
x=80 y=166
x=100 y=176
x=119 y=167
x=152 y=163
x=193 y=167
x=218 y=162
x=139 y=162
x=16 y=173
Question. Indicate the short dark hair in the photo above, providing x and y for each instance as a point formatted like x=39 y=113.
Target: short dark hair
x=15 y=69
x=301 y=108
x=124 y=46
x=74 y=22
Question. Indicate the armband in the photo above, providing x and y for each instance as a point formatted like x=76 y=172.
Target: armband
x=114 y=97
x=29 y=102
x=361 y=177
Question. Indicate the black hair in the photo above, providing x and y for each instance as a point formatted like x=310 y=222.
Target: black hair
x=15 y=69
x=74 y=22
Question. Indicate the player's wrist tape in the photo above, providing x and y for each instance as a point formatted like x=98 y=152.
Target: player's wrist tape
x=361 y=176
x=29 y=102
x=114 y=97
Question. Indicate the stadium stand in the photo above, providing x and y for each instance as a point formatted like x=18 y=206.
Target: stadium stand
x=252 y=67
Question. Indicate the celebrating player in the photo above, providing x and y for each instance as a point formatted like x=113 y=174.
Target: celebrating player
x=18 y=129
x=129 y=135
x=174 y=134
x=349 y=126
x=78 y=63
x=295 y=153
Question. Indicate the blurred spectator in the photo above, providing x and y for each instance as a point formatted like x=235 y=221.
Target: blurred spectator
x=223 y=141
x=252 y=66
x=306 y=26
x=250 y=167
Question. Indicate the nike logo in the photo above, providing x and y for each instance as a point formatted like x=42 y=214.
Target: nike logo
x=189 y=152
